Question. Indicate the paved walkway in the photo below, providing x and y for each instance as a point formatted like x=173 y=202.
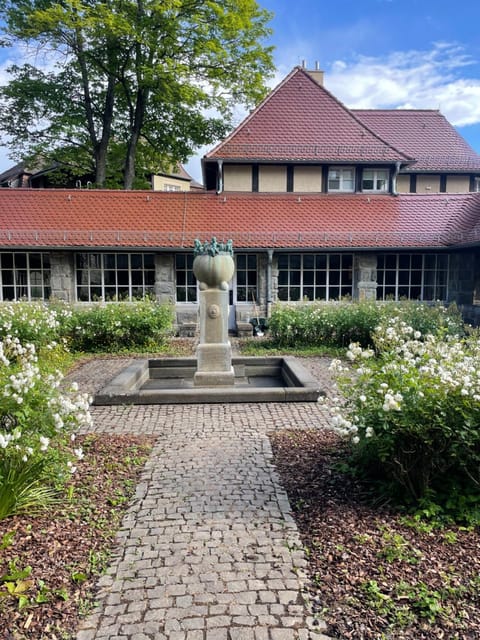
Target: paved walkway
x=208 y=549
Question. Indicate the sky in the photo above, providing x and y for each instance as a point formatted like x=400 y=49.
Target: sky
x=377 y=54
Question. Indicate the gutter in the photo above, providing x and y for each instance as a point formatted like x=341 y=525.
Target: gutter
x=394 y=178
x=269 y=282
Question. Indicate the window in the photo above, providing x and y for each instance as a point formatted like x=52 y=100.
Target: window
x=171 y=187
x=114 y=276
x=413 y=276
x=24 y=276
x=476 y=184
x=324 y=276
x=341 y=179
x=246 y=267
x=375 y=180
x=186 y=283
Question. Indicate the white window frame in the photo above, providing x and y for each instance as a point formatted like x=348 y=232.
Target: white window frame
x=22 y=276
x=190 y=283
x=329 y=278
x=342 y=180
x=96 y=262
x=376 y=178
x=396 y=289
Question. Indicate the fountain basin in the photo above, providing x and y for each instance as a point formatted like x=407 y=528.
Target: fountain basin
x=170 y=381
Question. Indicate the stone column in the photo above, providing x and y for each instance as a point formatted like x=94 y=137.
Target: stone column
x=214 y=352
x=367 y=276
x=62 y=276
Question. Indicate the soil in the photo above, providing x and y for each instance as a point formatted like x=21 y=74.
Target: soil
x=375 y=574
x=49 y=564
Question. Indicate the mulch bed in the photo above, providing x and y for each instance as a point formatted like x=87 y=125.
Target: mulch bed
x=68 y=547
x=375 y=574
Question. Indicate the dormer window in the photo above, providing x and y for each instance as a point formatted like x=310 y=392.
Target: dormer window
x=341 y=179
x=375 y=180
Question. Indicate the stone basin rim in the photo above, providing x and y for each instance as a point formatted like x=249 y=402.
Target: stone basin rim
x=126 y=388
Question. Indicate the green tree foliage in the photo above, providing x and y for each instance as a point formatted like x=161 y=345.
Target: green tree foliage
x=123 y=88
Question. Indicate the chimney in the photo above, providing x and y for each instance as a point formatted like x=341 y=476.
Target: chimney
x=316 y=74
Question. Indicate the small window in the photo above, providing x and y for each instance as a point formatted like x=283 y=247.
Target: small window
x=375 y=180
x=476 y=184
x=171 y=187
x=341 y=179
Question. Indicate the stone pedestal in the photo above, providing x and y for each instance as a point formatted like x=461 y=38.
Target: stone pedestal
x=214 y=353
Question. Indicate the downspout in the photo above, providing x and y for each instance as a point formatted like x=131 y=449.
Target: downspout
x=219 y=176
x=394 y=178
x=269 y=282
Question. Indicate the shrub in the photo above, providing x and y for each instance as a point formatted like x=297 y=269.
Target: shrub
x=142 y=325
x=413 y=412
x=36 y=323
x=37 y=421
x=337 y=324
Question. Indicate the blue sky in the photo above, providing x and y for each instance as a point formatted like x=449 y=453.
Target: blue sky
x=380 y=54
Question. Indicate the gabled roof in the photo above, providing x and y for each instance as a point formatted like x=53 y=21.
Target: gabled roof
x=425 y=135
x=300 y=120
x=116 y=220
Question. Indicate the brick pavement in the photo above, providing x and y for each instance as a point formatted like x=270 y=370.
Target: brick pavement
x=208 y=549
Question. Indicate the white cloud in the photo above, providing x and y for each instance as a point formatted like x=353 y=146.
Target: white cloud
x=410 y=79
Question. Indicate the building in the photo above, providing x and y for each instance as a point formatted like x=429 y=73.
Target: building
x=321 y=203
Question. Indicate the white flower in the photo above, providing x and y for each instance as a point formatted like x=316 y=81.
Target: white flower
x=355 y=439
x=44 y=442
x=79 y=453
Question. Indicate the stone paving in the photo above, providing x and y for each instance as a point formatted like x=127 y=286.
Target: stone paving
x=208 y=549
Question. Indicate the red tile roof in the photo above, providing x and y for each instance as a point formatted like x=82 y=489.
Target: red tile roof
x=425 y=135
x=157 y=220
x=300 y=120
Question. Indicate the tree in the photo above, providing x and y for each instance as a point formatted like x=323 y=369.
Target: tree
x=129 y=86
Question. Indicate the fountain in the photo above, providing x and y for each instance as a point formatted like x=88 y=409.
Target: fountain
x=213 y=375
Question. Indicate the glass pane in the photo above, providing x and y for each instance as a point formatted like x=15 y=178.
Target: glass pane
x=7 y=260
x=122 y=277
x=110 y=277
x=252 y=262
x=241 y=261
x=21 y=260
x=334 y=277
x=122 y=261
x=417 y=260
x=95 y=277
x=335 y=261
x=35 y=261
x=321 y=261
x=136 y=261
x=148 y=261
x=109 y=261
x=404 y=262
x=308 y=293
x=309 y=262
x=283 y=261
x=295 y=261
x=308 y=277
x=283 y=293
x=241 y=294
x=181 y=294
x=137 y=278
x=320 y=293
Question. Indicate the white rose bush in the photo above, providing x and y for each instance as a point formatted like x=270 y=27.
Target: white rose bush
x=38 y=421
x=411 y=410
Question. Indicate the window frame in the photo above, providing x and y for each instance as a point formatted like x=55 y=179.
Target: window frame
x=411 y=277
x=341 y=179
x=99 y=268
x=375 y=178
x=335 y=282
x=190 y=283
x=22 y=269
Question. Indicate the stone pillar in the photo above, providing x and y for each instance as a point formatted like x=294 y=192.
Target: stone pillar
x=164 y=278
x=214 y=352
x=62 y=276
x=366 y=268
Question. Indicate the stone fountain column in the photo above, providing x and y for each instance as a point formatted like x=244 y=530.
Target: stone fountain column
x=213 y=267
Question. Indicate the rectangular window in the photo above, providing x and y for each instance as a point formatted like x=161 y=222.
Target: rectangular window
x=341 y=179
x=114 y=276
x=186 y=283
x=246 y=274
x=413 y=276
x=325 y=276
x=375 y=180
x=24 y=276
